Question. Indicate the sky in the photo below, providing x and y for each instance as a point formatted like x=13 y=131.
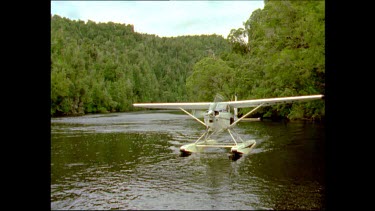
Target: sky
x=163 y=18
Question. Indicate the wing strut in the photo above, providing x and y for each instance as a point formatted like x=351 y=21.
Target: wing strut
x=193 y=116
x=234 y=123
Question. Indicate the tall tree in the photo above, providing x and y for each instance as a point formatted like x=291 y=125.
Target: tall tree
x=210 y=76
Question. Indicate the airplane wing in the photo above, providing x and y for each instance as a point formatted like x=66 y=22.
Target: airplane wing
x=193 y=106
x=272 y=101
x=234 y=104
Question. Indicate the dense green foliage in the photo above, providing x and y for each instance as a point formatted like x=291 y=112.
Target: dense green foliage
x=283 y=56
x=101 y=67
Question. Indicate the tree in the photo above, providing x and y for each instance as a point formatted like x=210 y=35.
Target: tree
x=210 y=76
x=237 y=38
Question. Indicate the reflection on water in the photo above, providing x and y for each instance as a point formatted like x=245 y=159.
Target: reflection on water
x=132 y=161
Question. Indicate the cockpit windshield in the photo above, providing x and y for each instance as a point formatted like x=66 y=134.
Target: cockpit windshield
x=218 y=98
x=221 y=107
x=217 y=106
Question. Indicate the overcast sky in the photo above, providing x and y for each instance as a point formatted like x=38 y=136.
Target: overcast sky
x=163 y=18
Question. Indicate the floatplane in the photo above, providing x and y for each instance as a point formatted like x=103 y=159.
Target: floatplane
x=218 y=118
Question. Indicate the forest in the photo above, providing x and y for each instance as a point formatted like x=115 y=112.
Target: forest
x=106 y=67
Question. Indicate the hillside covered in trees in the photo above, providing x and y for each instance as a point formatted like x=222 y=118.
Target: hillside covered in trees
x=105 y=67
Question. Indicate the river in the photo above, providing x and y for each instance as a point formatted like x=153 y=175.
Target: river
x=132 y=161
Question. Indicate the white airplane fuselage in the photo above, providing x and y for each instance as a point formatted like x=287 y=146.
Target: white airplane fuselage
x=218 y=117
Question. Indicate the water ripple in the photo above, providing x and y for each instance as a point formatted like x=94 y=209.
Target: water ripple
x=131 y=161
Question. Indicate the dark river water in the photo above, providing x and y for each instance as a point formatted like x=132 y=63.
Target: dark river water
x=132 y=161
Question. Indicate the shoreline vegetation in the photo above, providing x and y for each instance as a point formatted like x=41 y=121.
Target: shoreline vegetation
x=106 y=67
